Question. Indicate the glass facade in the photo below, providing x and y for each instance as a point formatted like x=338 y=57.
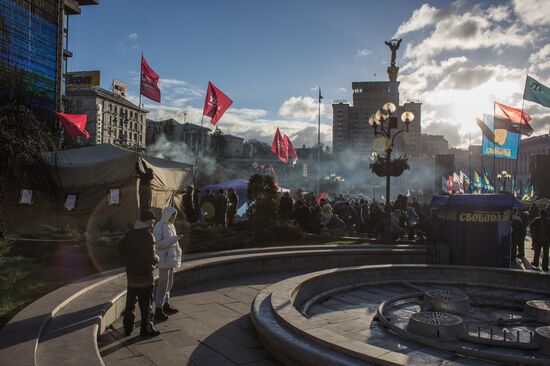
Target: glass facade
x=28 y=53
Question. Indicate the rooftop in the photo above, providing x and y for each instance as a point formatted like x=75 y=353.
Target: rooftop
x=107 y=94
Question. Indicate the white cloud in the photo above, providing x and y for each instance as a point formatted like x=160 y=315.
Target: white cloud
x=466 y=57
x=301 y=108
x=470 y=30
x=420 y=18
x=540 y=60
x=133 y=36
x=363 y=52
x=533 y=12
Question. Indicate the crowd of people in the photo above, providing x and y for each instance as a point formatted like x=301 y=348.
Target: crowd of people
x=214 y=208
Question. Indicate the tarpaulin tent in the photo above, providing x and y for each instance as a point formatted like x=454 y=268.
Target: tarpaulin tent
x=477 y=227
x=239 y=185
x=99 y=189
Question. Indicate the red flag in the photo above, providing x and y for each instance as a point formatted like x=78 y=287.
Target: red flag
x=450 y=184
x=514 y=115
x=272 y=170
x=216 y=103
x=149 y=82
x=74 y=124
x=322 y=196
x=290 y=148
x=278 y=147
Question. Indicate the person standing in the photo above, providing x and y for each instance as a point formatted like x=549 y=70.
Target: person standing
x=233 y=206
x=189 y=204
x=138 y=253
x=169 y=253
x=221 y=208
x=285 y=207
x=518 y=236
x=540 y=230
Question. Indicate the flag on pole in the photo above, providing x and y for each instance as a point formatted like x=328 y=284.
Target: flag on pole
x=74 y=124
x=444 y=185
x=216 y=103
x=450 y=184
x=290 y=148
x=487 y=185
x=477 y=181
x=512 y=119
x=528 y=193
x=278 y=147
x=536 y=92
x=149 y=82
x=322 y=196
x=458 y=185
x=466 y=182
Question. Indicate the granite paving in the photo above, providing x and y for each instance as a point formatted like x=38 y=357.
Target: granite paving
x=213 y=327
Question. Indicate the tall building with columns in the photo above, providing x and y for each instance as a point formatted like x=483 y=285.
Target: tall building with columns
x=350 y=128
x=197 y=138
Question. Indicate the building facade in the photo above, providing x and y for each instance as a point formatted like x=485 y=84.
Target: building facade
x=33 y=52
x=350 y=128
x=434 y=144
x=197 y=138
x=234 y=146
x=112 y=119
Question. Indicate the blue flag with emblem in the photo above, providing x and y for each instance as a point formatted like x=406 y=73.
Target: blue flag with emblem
x=536 y=92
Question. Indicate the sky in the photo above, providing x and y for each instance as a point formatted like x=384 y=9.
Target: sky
x=270 y=57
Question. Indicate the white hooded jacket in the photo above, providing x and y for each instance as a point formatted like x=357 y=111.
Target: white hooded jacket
x=166 y=241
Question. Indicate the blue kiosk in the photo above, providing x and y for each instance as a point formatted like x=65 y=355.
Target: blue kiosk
x=477 y=228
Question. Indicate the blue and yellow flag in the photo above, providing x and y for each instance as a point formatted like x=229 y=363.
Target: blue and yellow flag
x=528 y=193
x=477 y=181
x=487 y=185
x=466 y=182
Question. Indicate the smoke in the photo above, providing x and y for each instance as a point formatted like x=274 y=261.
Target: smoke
x=180 y=151
x=358 y=177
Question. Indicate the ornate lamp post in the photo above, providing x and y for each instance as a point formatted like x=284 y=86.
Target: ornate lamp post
x=503 y=177
x=383 y=122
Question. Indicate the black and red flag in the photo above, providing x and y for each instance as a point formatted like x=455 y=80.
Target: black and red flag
x=278 y=147
x=149 y=82
x=216 y=103
x=74 y=124
x=512 y=119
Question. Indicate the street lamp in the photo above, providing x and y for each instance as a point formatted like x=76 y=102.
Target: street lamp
x=383 y=122
x=503 y=177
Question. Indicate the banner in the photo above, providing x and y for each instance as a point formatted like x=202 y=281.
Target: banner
x=504 y=144
x=82 y=79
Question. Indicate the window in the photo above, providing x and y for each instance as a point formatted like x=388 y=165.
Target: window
x=113 y=197
x=116 y=109
x=25 y=197
x=70 y=202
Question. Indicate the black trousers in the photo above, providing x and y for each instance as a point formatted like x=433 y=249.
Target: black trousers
x=518 y=247
x=544 y=246
x=143 y=295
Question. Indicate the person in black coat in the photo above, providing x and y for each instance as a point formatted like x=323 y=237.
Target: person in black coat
x=138 y=253
x=540 y=230
x=285 y=207
x=518 y=236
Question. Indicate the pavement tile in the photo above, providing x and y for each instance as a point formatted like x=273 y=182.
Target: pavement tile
x=232 y=350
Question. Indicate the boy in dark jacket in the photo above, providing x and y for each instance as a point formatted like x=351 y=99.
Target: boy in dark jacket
x=138 y=253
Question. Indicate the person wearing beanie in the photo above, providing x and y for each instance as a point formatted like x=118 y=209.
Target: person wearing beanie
x=169 y=251
x=138 y=253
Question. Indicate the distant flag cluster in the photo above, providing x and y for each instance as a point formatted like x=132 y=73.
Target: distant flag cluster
x=282 y=146
x=458 y=183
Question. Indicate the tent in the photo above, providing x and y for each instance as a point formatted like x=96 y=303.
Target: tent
x=239 y=185
x=99 y=189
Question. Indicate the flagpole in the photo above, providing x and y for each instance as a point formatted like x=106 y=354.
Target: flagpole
x=140 y=76
x=494 y=151
x=470 y=156
x=197 y=156
x=319 y=145
x=519 y=134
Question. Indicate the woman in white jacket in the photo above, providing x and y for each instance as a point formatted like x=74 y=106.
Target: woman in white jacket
x=169 y=252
